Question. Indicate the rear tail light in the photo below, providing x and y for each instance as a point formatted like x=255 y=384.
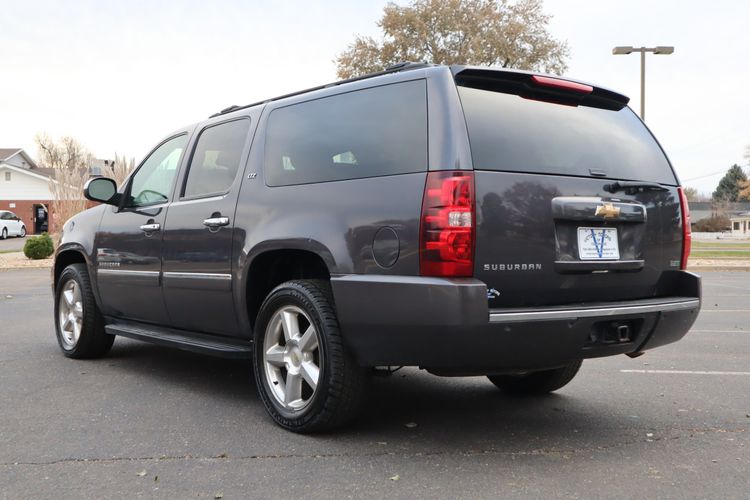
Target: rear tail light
x=447 y=226
x=687 y=233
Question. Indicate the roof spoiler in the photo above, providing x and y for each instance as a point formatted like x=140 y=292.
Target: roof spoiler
x=539 y=87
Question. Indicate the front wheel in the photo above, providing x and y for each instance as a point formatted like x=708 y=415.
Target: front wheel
x=4 y=234
x=23 y=232
x=79 y=324
x=540 y=382
x=307 y=380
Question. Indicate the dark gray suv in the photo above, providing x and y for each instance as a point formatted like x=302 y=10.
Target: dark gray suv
x=469 y=221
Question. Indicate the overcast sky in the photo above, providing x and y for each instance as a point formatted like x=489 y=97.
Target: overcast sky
x=119 y=75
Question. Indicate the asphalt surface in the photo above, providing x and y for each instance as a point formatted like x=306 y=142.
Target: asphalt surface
x=152 y=422
x=12 y=243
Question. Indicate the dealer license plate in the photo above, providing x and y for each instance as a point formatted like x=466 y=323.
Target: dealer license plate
x=598 y=243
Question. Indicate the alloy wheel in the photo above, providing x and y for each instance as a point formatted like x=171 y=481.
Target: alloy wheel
x=292 y=361
x=70 y=314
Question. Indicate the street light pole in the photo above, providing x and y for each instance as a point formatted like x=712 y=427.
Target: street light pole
x=660 y=50
x=643 y=85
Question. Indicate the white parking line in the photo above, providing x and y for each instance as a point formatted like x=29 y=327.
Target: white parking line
x=719 y=331
x=685 y=372
x=728 y=286
x=725 y=311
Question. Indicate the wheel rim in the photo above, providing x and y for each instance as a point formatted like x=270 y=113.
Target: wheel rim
x=70 y=314
x=291 y=358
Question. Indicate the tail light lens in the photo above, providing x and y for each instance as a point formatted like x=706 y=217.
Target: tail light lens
x=687 y=233
x=447 y=225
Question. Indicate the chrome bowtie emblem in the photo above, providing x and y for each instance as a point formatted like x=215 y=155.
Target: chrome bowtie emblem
x=607 y=210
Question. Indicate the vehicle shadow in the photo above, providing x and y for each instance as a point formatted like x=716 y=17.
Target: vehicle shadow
x=465 y=414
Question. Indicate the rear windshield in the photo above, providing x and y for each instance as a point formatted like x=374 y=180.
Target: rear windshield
x=510 y=133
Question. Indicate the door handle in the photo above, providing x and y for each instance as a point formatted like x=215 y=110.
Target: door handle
x=212 y=222
x=147 y=228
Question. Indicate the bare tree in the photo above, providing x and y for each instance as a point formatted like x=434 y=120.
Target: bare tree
x=71 y=161
x=506 y=33
x=67 y=152
x=67 y=193
x=120 y=168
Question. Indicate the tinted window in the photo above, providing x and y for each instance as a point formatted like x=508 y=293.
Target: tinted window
x=216 y=158
x=153 y=181
x=510 y=133
x=4 y=215
x=367 y=133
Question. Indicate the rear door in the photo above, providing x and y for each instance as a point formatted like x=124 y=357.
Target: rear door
x=576 y=201
x=197 y=265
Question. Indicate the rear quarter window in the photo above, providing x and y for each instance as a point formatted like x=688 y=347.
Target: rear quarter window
x=365 y=133
x=510 y=133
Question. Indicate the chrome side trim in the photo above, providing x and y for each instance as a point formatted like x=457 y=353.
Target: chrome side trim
x=201 y=276
x=570 y=314
x=218 y=282
x=125 y=272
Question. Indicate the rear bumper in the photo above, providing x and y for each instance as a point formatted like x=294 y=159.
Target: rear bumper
x=446 y=324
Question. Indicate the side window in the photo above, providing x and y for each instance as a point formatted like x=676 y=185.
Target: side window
x=366 y=133
x=4 y=215
x=153 y=181
x=216 y=158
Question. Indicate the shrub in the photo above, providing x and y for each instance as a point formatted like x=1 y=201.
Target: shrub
x=713 y=224
x=39 y=247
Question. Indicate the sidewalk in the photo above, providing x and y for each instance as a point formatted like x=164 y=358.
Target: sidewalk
x=17 y=260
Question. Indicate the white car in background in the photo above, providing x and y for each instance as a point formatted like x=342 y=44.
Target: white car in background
x=11 y=225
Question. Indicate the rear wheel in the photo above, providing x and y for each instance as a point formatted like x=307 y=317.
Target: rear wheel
x=79 y=324
x=540 y=382
x=4 y=234
x=307 y=380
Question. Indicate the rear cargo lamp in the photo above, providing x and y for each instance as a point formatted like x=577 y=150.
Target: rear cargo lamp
x=447 y=226
x=687 y=233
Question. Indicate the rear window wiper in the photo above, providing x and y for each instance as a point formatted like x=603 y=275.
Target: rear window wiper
x=633 y=186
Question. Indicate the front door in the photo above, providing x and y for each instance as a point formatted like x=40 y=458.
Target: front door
x=197 y=270
x=129 y=240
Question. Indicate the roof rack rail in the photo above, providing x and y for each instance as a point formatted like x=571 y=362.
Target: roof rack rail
x=394 y=68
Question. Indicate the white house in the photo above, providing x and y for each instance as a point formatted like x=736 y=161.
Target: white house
x=741 y=224
x=25 y=189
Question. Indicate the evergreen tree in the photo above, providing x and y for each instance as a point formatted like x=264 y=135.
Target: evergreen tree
x=730 y=185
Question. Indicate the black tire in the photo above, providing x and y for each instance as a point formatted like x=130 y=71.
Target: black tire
x=23 y=232
x=541 y=382
x=92 y=341
x=340 y=388
x=4 y=234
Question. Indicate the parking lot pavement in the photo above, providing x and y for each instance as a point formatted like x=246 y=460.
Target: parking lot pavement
x=149 y=421
x=12 y=244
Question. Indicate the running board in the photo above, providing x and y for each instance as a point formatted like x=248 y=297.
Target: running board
x=188 y=341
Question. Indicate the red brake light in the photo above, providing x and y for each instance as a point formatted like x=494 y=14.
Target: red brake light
x=447 y=226
x=546 y=81
x=687 y=233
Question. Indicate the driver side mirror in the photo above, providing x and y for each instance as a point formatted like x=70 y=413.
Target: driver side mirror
x=101 y=189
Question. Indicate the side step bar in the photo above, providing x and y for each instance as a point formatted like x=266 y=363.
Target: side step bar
x=613 y=309
x=188 y=341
